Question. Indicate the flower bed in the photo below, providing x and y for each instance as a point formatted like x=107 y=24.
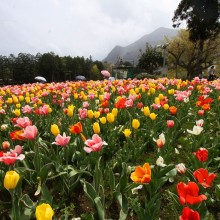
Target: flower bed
x=123 y=149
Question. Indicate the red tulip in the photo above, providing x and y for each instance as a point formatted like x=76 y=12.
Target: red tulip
x=202 y=154
x=204 y=178
x=189 y=194
x=189 y=214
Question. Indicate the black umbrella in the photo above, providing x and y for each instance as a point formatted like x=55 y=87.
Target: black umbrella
x=79 y=77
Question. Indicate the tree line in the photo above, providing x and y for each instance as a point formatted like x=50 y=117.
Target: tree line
x=24 y=67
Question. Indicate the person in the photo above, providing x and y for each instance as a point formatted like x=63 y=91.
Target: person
x=211 y=73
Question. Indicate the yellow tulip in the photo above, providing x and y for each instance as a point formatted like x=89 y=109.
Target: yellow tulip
x=110 y=118
x=96 y=114
x=157 y=100
x=70 y=112
x=85 y=97
x=39 y=102
x=135 y=123
x=96 y=128
x=18 y=105
x=15 y=99
x=76 y=96
x=146 y=111
x=115 y=111
x=27 y=99
x=137 y=90
x=161 y=96
x=103 y=120
x=127 y=132
x=17 y=112
x=9 y=100
x=90 y=114
x=100 y=98
x=166 y=106
x=152 y=116
x=152 y=90
x=11 y=179
x=171 y=91
x=54 y=129
x=44 y=212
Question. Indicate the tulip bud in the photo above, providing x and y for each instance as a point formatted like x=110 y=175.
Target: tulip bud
x=44 y=212
x=170 y=123
x=96 y=128
x=181 y=168
x=135 y=123
x=103 y=120
x=54 y=129
x=110 y=118
x=90 y=114
x=11 y=179
x=5 y=145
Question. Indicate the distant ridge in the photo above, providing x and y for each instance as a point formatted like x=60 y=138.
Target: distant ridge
x=132 y=51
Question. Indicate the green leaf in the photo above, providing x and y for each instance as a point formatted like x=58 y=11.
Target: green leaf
x=165 y=170
x=89 y=190
x=123 y=202
x=97 y=175
x=100 y=209
x=46 y=195
x=111 y=180
x=44 y=171
x=123 y=179
x=26 y=200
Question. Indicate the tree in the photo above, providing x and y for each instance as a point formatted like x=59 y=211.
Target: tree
x=49 y=64
x=95 y=72
x=202 y=19
x=182 y=53
x=24 y=68
x=150 y=60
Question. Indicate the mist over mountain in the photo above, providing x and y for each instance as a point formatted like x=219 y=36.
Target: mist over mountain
x=131 y=52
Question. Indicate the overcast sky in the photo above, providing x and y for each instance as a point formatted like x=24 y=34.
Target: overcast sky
x=79 y=27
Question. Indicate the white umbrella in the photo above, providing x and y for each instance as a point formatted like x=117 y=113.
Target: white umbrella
x=80 y=77
x=211 y=66
x=40 y=78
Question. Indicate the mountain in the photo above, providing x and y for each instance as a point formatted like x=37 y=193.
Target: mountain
x=131 y=52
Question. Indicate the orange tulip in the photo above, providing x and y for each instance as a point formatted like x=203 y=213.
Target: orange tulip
x=76 y=128
x=142 y=174
x=173 y=110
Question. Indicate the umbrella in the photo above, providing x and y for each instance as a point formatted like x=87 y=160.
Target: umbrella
x=79 y=77
x=211 y=67
x=105 y=73
x=40 y=78
x=112 y=78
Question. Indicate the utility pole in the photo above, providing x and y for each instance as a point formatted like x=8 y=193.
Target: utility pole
x=164 y=47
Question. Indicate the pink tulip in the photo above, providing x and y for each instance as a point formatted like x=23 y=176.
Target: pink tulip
x=27 y=109
x=61 y=140
x=30 y=132
x=170 y=123
x=44 y=110
x=83 y=113
x=94 y=144
x=12 y=156
x=23 y=122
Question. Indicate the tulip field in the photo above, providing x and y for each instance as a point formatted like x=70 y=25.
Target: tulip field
x=126 y=149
